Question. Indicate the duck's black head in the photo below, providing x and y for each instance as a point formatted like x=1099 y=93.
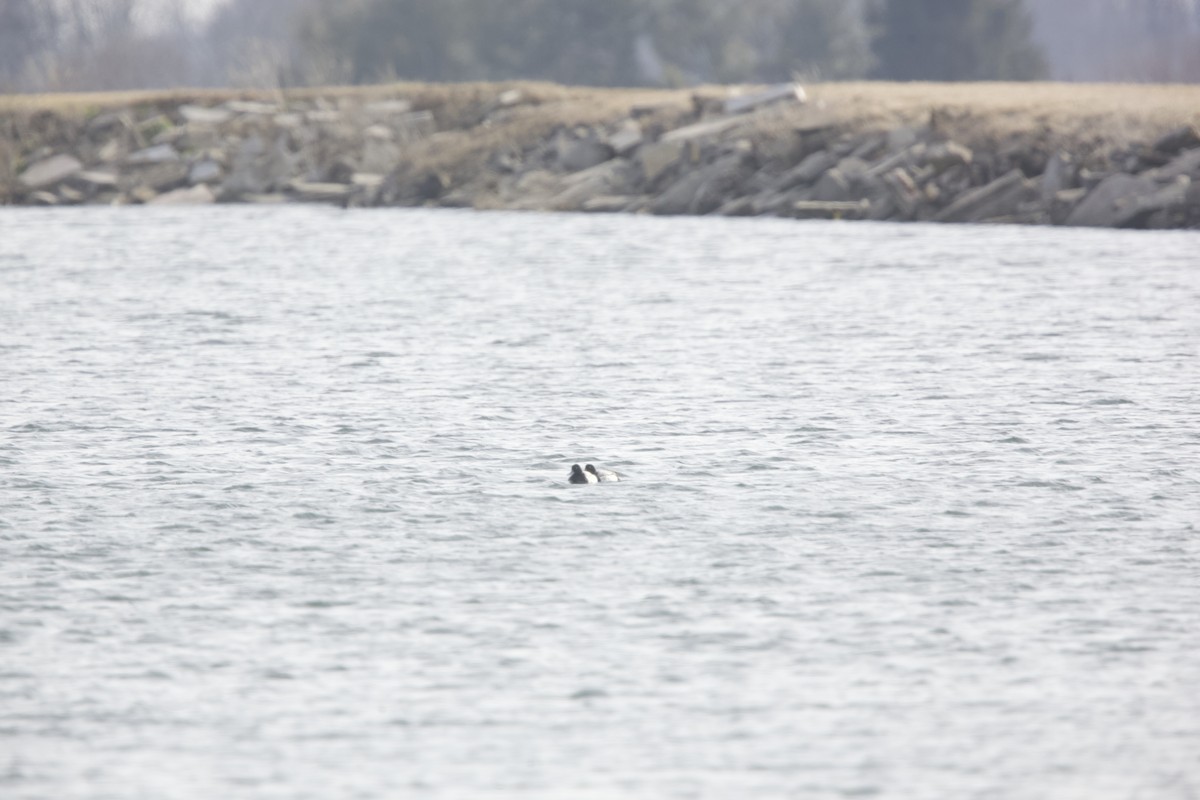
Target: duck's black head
x=592 y=469
x=577 y=475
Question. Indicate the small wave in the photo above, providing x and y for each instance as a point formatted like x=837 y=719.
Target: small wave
x=1061 y=486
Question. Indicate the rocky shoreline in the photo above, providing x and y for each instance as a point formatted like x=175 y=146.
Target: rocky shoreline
x=774 y=152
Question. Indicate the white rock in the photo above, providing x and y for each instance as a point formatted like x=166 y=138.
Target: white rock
x=158 y=154
x=201 y=115
x=388 y=107
x=705 y=129
x=323 y=116
x=50 y=171
x=381 y=132
x=509 y=98
x=784 y=92
x=101 y=179
x=251 y=107
x=367 y=180
x=1112 y=202
x=196 y=195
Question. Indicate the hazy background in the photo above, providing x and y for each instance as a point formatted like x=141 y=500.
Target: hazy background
x=57 y=45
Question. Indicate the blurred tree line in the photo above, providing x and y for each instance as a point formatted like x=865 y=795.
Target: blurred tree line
x=614 y=42
x=110 y=44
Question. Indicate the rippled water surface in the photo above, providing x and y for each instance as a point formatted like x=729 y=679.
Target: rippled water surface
x=911 y=512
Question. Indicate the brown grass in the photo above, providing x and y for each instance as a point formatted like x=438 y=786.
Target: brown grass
x=1134 y=107
x=1123 y=111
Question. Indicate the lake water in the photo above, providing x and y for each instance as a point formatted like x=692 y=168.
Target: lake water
x=910 y=511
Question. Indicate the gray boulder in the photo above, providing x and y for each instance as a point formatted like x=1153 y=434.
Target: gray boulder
x=1059 y=175
x=259 y=167
x=1187 y=163
x=615 y=177
x=703 y=190
x=812 y=167
x=579 y=154
x=1112 y=202
x=158 y=177
x=1184 y=138
x=158 y=154
x=833 y=187
x=50 y=171
x=205 y=171
x=999 y=198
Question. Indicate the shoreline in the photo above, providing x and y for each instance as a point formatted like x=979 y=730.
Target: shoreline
x=1115 y=156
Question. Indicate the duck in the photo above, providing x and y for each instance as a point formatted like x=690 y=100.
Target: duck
x=578 y=475
x=602 y=475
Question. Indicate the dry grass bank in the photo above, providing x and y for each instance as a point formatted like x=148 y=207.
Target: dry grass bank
x=1124 y=112
x=1136 y=107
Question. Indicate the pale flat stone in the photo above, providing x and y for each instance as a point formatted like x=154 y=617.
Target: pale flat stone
x=68 y=195
x=705 y=129
x=195 y=195
x=367 y=180
x=783 y=93
x=251 y=107
x=50 y=171
x=323 y=116
x=388 y=107
x=380 y=132
x=509 y=98
x=101 y=179
x=289 y=120
x=202 y=115
x=158 y=154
